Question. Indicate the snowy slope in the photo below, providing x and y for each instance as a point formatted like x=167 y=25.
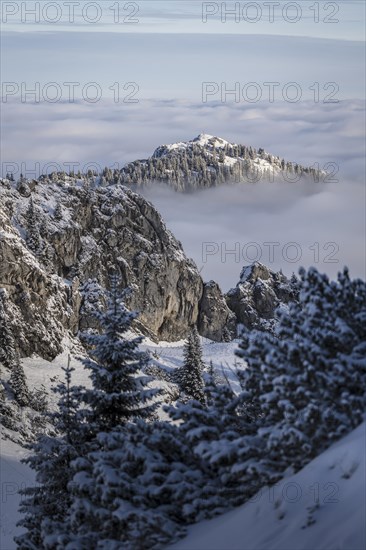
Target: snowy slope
x=221 y=354
x=168 y=355
x=13 y=476
x=203 y=140
x=45 y=375
x=278 y=518
x=211 y=144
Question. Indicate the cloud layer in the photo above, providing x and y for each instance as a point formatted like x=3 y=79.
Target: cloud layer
x=307 y=133
x=107 y=133
x=284 y=226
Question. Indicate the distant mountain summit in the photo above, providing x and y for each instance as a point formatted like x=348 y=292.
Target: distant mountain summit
x=203 y=140
x=208 y=161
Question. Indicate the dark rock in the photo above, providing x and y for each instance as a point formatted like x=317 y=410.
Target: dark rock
x=259 y=293
x=215 y=321
x=104 y=231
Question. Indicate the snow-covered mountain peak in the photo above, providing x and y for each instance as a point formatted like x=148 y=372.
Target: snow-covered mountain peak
x=203 y=140
x=208 y=140
x=253 y=271
x=209 y=161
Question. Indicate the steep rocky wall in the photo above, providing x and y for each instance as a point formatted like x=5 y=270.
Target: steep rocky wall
x=101 y=231
x=216 y=321
x=41 y=306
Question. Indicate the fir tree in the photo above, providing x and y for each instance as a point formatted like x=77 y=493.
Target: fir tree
x=10 y=359
x=119 y=394
x=190 y=375
x=18 y=384
x=133 y=494
x=223 y=438
x=45 y=506
x=119 y=391
x=38 y=399
x=47 y=256
x=226 y=336
x=8 y=355
x=306 y=383
x=58 y=211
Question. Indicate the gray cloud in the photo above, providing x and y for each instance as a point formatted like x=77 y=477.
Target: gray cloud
x=108 y=133
x=185 y=16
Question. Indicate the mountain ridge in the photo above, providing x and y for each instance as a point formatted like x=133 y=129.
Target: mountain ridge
x=208 y=161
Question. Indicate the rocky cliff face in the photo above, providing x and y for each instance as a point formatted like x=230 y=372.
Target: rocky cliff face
x=84 y=235
x=41 y=306
x=258 y=294
x=62 y=237
x=215 y=320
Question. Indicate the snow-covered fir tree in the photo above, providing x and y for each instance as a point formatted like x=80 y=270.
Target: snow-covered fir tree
x=8 y=355
x=115 y=363
x=45 y=505
x=133 y=494
x=223 y=438
x=119 y=395
x=38 y=399
x=18 y=384
x=58 y=214
x=307 y=382
x=190 y=375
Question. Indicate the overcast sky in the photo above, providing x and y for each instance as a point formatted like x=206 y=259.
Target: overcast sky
x=161 y=62
x=342 y=19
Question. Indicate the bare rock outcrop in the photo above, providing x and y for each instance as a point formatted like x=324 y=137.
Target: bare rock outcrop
x=258 y=294
x=215 y=321
x=41 y=305
x=100 y=231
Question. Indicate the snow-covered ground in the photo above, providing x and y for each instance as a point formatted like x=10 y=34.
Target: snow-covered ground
x=278 y=518
x=40 y=372
x=168 y=355
x=13 y=476
x=221 y=354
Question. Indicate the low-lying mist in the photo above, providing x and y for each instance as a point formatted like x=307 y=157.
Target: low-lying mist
x=283 y=225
